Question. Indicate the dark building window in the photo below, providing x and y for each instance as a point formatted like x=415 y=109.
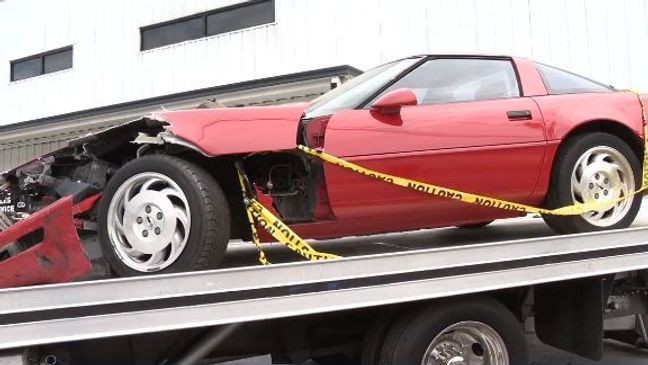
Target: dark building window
x=42 y=63
x=239 y=16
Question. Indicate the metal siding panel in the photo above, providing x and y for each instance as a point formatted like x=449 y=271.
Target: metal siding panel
x=15 y=157
x=637 y=36
x=618 y=51
x=598 y=40
x=22 y=154
x=602 y=39
x=578 y=50
x=6 y=159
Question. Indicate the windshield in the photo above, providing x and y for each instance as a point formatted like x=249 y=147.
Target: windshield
x=355 y=91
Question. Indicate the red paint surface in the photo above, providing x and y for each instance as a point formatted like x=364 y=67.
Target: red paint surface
x=530 y=80
x=59 y=257
x=467 y=146
x=237 y=130
x=393 y=101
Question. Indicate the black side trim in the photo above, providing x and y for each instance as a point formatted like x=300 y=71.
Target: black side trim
x=324 y=286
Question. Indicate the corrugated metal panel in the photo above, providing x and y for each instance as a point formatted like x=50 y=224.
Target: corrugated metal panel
x=602 y=39
x=606 y=40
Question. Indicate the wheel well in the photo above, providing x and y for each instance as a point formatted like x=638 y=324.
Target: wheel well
x=294 y=198
x=611 y=127
x=223 y=170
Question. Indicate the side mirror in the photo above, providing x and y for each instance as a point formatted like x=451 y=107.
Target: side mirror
x=392 y=102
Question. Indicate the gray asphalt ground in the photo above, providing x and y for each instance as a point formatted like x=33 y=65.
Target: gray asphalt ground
x=244 y=253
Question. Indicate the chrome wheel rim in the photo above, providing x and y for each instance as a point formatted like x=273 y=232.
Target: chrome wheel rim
x=602 y=173
x=149 y=221
x=467 y=343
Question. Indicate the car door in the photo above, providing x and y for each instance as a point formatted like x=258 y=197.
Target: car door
x=470 y=131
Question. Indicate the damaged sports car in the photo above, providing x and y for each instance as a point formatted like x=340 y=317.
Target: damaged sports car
x=163 y=194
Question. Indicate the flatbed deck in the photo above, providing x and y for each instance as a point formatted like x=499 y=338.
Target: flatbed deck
x=106 y=308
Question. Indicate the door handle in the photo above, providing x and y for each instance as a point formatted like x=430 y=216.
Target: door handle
x=519 y=115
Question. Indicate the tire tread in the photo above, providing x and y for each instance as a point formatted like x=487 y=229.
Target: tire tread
x=212 y=206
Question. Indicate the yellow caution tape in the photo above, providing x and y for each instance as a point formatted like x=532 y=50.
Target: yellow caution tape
x=463 y=196
x=250 y=216
x=277 y=229
x=282 y=233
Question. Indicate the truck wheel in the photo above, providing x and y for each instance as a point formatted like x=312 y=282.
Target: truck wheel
x=477 y=331
x=594 y=167
x=159 y=214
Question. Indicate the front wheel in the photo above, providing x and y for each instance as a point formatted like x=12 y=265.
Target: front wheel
x=162 y=214
x=594 y=167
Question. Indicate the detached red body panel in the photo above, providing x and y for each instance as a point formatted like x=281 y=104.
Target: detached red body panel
x=57 y=258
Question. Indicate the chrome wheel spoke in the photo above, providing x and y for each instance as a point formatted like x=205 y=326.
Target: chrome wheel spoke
x=173 y=192
x=150 y=182
x=584 y=163
x=156 y=258
x=597 y=214
x=150 y=222
x=577 y=186
x=601 y=157
x=117 y=224
x=132 y=252
x=181 y=215
x=176 y=244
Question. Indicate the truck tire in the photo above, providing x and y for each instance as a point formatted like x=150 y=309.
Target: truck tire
x=594 y=167
x=374 y=339
x=477 y=330
x=162 y=214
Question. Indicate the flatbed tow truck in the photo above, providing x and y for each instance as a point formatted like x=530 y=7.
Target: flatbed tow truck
x=456 y=304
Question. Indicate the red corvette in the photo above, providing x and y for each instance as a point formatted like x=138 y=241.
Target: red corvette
x=497 y=126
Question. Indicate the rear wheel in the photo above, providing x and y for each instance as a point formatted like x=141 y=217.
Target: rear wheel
x=162 y=214
x=481 y=331
x=594 y=167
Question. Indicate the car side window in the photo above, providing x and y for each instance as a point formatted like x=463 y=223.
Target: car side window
x=446 y=80
x=559 y=81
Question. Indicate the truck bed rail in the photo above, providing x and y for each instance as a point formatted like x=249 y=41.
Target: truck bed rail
x=86 y=310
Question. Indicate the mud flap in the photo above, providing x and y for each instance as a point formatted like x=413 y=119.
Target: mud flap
x=57 y=257
x=569 y=315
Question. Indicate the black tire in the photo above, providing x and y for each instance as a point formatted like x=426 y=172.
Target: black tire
x=374 y=338
x=210 y=216
x=475 y=225
x=410 y=336
x=559 y=194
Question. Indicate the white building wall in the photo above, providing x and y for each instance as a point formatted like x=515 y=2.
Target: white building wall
x=603 y=39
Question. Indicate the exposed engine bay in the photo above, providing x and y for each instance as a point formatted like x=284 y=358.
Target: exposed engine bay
x=79 y=170
x=31 y=187
x=291 y=180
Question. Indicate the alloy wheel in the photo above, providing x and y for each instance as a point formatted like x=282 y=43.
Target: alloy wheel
x=149 y=221
x=602 y=173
